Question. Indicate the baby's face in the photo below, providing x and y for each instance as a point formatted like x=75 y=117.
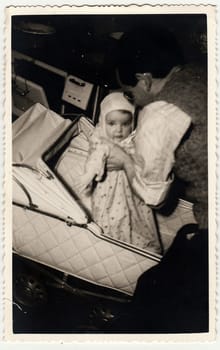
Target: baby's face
x=118 y=125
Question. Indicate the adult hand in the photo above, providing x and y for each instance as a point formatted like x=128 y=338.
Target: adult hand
x=120 y=160
x=117 y=158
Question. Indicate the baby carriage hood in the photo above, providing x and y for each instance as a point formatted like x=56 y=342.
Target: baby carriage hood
x=35 y=185
x=34 y=132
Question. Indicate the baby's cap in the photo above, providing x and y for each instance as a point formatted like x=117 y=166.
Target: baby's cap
x=115 y=101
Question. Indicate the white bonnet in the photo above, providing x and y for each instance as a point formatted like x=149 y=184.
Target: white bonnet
x=115 y=101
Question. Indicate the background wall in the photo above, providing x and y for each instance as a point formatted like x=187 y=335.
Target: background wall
x=93 y=46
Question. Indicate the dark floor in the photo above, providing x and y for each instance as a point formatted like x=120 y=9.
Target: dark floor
x=68 y=314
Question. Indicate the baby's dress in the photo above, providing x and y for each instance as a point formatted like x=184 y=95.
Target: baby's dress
x=120 y=213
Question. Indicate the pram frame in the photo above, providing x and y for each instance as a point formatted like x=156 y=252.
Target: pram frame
x=62 y=283
x=46 y=157
x=47 y=160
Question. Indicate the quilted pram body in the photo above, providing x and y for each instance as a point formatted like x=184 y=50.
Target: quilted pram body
x=50 y=226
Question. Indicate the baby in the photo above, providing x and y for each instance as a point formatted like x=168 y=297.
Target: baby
x=115 y=128
x=115 y=207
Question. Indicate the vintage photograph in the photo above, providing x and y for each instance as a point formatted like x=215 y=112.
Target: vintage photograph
x=111 y=152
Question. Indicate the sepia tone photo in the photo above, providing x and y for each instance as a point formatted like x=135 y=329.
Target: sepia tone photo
x=112 y=214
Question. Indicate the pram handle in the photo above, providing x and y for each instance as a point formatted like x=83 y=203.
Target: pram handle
x=48 y=175
x=31 y=204
x=21 y=185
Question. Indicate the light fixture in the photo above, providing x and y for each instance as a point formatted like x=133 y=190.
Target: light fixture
x=34 y=28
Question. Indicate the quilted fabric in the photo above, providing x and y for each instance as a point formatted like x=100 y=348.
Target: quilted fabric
x=77 y=251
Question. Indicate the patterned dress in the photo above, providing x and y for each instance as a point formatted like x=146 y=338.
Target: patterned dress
x=122 y=214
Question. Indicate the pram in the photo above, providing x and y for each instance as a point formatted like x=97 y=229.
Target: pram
x=50 y=225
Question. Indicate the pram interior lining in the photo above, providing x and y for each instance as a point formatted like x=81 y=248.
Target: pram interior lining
x=83 y=251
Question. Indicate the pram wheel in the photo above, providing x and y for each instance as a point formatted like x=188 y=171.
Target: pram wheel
x=29 y=291
x=104 y=315
x=101 y=314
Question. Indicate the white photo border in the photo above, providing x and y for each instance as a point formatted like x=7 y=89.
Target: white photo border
x=210 y=11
